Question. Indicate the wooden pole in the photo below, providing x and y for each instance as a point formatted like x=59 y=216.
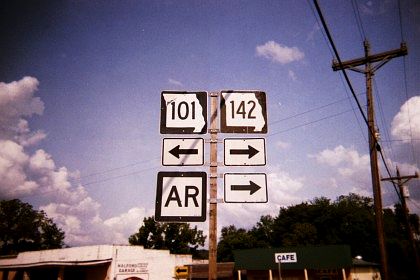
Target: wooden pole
x=213 y=187
x=369 y=71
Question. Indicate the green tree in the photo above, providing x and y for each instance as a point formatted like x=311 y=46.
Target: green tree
x=262 y=232
x=233 y=239
x=24 y=229
x=179 y=238
x=350 y=219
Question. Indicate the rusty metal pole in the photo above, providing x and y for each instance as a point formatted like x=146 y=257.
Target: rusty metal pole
x=213 y=187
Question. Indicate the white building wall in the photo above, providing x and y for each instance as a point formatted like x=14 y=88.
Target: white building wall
x=125 y=261
x=134 y=261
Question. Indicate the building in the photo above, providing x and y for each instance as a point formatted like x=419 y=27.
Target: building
x=112 y=262
x=332 y=262
x=363 y=270
x=103 y=262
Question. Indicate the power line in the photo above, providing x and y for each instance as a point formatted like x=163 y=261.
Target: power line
x=308 y=111
x=382 y=117
x=354 y=111
x=405 y=83
x=373 y=143
x=308 y=123
x=116 y=168
x=356 y=13
x=120 y=176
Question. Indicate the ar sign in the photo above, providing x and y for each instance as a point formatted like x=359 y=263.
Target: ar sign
x=183 y=112
x=181 y=197
x=243 y=112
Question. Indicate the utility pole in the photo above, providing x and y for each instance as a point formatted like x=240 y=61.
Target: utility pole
x=400 y=181
x=374 y=147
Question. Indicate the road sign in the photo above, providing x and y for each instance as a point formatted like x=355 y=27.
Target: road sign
x=244 y=151
x=181 y=272
x=183 y=112
x=182 y=151
x=243 y=112
x=181 y=197
x=245 y=187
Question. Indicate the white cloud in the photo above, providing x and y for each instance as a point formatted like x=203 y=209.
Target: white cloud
x=374 y=8
x=24 y=174
x=279 y=53
x=406 y=123
x=341 y=156
x=175 y=82
x=292 y=75
x=17 y=101
x=313 y=32
x=127 y=223
x=283 y=191
x=13 y=178
x=41 y=162
x=350 y=170
x=282 y=145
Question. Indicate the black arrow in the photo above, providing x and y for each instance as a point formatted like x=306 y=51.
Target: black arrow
x=177 y=151
x=251 y=151
x=178 y=270
x=252 y=187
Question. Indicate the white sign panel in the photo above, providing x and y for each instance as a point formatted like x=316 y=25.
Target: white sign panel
x=181 y=197
x=183 y=112
x=245 y=187
x=285 y=257
x=178 y=151
x=243 y=112
x=242 y=152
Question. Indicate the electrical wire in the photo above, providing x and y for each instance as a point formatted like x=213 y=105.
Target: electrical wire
x=308 y=123
x=308 y=111
x=382 y=118
x=415 y=159
x=330 y=39
x=356 y=13
x=116 y=168
x=354 y=110
x=332 y=57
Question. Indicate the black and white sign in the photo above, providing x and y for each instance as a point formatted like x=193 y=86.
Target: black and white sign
x=245 y=187
x=285 y=257
x=183 y=112
x=181 y=197
x=243 y=112
x=244 y=151
x=182 y=151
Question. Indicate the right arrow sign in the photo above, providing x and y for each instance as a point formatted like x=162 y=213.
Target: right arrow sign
x=245 y=187
x=242 y=152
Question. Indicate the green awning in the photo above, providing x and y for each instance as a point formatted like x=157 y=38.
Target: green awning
x=309 y=257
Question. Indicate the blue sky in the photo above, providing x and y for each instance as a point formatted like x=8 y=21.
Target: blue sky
x=81 y=83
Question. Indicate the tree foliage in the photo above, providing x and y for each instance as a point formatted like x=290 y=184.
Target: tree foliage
x=348 y=220
x=233 y=239
x=179 y=238
x=24 y=229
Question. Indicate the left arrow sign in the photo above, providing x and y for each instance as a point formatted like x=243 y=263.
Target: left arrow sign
x=178 y=151
x=182 y=151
